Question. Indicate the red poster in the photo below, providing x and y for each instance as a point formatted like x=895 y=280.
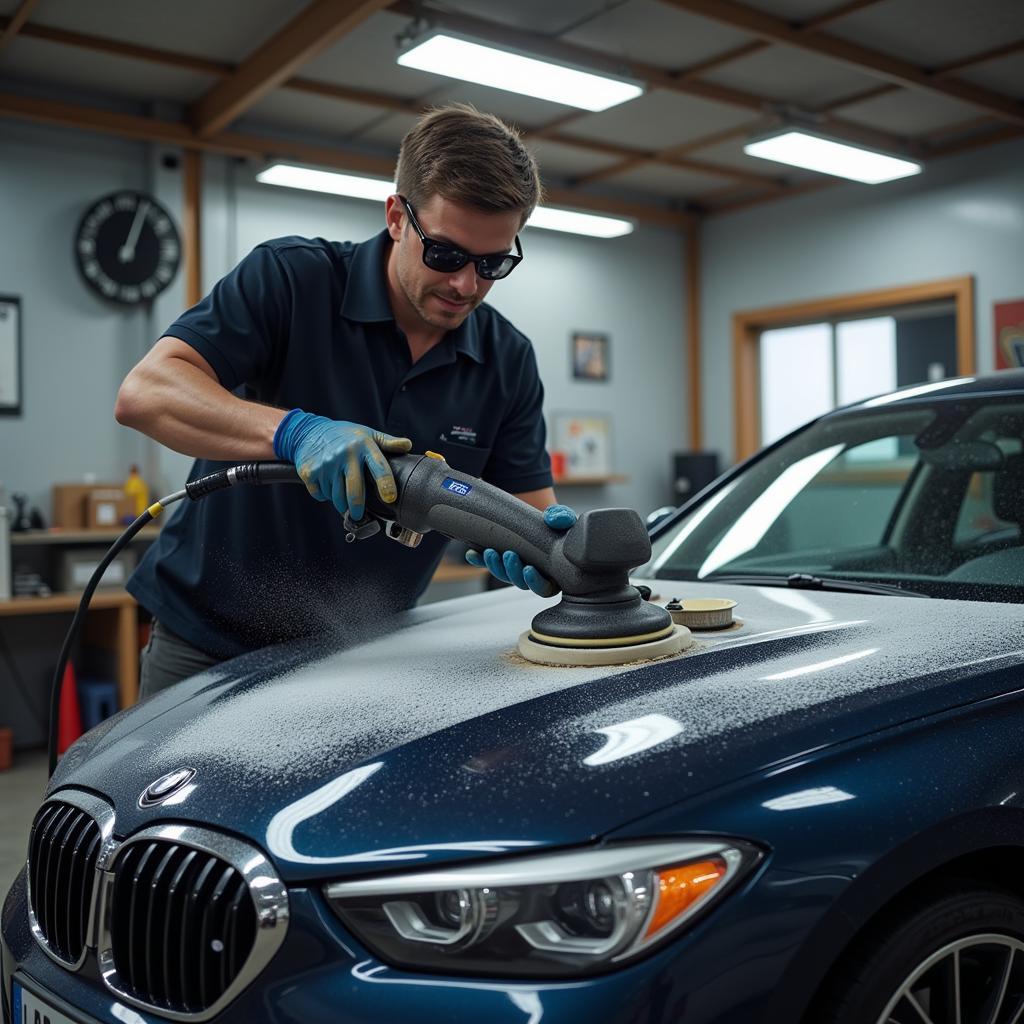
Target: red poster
x=1009 y=326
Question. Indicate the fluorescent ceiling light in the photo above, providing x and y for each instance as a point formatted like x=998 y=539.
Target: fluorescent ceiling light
x=578 y=223
x=455 y=57
x=327 y=181
x=801 y=148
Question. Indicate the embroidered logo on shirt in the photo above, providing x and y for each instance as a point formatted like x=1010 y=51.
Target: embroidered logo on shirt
x=460 y=435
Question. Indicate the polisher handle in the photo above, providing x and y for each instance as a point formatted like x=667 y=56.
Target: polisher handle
x=594 y=556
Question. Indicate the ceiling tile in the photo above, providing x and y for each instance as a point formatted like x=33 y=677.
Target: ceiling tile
x=558 y=162
x=73 y=68
x=533 y=15
x=220 y=31
x=335 y=119
x=666 y=181
x=656 y=33
x=657 y=120
x=934 y=32
x=791 y=75
x=388 y=130
x=909 y=113
x=1005 y=75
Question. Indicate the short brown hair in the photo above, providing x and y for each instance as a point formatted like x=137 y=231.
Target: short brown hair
x=468 y=157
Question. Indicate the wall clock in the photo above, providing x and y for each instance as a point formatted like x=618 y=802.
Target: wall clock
x=127 y=247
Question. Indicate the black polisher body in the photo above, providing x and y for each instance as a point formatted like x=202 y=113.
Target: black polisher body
x=590 y=562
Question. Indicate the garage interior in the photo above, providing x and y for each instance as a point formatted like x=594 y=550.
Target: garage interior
x=666 y=345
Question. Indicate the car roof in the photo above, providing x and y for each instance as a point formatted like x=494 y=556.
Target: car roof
x=1001 y=382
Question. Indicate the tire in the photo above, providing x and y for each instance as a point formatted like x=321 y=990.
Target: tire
x=941 y=950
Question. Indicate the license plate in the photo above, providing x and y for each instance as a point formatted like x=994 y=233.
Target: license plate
x=30 y=1009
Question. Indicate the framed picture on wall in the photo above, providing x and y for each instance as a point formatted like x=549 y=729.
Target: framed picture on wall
x=584 y=441
x=1008 y=319
x=590 y=353
x=10 y=356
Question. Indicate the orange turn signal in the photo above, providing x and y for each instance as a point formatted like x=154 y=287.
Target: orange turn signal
x=678 y=888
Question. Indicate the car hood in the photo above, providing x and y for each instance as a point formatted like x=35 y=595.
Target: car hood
x=428 y=738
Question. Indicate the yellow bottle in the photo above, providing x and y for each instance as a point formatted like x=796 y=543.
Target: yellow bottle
x=135 y=487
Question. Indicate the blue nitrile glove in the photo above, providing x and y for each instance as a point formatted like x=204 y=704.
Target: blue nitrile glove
x=330 y=455
x=509 y=568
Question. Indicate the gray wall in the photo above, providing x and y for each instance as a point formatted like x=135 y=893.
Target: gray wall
x=75 y=348
x=963 y=215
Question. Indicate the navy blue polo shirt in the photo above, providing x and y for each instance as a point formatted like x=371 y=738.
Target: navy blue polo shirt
x=307 y=323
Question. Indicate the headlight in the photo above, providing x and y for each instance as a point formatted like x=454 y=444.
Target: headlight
x=560 y=914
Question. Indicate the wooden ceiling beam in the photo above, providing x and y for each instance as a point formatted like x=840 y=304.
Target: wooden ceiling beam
x=702 y=142
x=819 y=21
x=757 y=45
x=1006 y=50
x=178 y=133
x=318 y=26
x=16 y=21
x=943 y=71
x=874 y=62
x=737 y=53
x=114 y=47
x=679 y=162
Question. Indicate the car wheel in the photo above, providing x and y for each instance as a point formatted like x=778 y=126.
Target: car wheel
x=954 y=959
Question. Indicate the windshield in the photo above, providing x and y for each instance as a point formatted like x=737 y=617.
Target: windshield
x=928 y=496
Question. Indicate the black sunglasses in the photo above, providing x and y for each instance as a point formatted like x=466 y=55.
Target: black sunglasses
x=446 y=258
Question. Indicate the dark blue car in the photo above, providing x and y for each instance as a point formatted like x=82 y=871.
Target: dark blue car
x=813 y=815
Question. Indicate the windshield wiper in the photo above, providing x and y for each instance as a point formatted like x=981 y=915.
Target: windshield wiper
x=805 y=581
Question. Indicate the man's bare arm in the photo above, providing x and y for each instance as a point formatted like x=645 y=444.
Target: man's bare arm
x=174 y=396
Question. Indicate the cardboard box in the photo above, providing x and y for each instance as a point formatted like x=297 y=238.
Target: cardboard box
x=69 y=503
x=106 y=507
x=78 y=564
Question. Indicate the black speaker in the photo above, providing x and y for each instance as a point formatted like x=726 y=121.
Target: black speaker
x=693 y=471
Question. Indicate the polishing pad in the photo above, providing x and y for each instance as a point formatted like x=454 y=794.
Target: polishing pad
x=672 y=641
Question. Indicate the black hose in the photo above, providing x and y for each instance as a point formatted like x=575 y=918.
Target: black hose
x=246 y=473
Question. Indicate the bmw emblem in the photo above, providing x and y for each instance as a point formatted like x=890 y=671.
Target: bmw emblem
x=167 y=785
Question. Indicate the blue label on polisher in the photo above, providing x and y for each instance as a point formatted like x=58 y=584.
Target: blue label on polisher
x=456 y=486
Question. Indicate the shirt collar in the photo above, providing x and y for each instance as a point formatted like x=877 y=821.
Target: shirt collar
x=366 y=296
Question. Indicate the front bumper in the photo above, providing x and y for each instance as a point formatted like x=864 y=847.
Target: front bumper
x=321 y=974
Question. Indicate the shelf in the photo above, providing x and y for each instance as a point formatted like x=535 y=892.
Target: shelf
x=60 y=535
x=591 y=481
x=64 y=602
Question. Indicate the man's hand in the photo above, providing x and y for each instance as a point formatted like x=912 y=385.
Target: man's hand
x=508 y=566
x=330 y=455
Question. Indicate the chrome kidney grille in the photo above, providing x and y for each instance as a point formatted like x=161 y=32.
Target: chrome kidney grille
x=64 y=847
x=182 y=925
x=181 y=919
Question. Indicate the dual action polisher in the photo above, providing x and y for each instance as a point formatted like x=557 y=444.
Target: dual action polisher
x=600 y=620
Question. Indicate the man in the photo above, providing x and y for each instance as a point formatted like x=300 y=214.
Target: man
x=334 y=355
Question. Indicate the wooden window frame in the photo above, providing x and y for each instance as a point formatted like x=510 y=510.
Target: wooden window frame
x=748 y=325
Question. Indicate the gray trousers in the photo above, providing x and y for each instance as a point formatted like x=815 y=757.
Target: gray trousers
x=167 y=659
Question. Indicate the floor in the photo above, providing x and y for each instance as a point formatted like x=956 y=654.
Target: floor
x=21 y=793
